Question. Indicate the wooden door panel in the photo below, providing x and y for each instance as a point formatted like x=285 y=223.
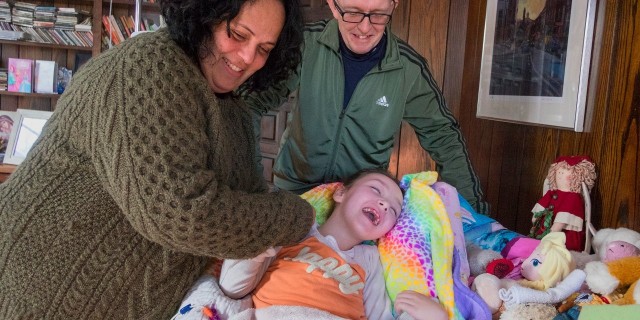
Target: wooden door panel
x=272 y=127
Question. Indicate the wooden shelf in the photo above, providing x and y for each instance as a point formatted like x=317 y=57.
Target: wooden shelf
x=7 y=168
x=30 y=95
x=45 y=45
x=5 y=171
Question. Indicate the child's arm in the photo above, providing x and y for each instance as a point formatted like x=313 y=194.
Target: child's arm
x=377 y=304
x=239 y=277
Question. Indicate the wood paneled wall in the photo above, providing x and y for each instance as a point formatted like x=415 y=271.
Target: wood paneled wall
x=512 y=159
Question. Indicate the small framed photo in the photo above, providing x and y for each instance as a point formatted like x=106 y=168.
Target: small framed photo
x=26 y=131
x=7 y=121
x=535 y=62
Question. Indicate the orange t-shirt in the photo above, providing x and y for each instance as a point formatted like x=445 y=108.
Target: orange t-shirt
x=311 y=274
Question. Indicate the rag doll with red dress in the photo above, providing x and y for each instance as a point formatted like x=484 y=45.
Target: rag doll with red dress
x=562 y=206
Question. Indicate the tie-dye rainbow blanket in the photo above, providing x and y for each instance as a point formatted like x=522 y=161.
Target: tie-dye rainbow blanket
x=417 y=254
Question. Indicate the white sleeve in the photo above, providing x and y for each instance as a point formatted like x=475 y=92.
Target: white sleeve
x=206 y=293
x=377 y=304
x=239 y=277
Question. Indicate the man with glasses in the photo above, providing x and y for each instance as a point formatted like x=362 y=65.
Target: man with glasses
x=356 y=83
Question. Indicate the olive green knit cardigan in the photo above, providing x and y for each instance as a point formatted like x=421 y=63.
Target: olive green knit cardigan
x=140 y=175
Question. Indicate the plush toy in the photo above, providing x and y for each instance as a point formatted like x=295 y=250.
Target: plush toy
x=483 y=260
x=549 y=264
x=606 y=277
x=562 y=207
x=610 y=244
x=502 y=264
x=529 y=311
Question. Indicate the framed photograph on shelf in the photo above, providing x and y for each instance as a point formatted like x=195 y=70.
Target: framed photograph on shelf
x=7 y=121
x=25 y=131
x=535 y=62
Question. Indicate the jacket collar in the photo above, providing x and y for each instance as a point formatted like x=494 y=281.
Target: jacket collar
x=391 y=60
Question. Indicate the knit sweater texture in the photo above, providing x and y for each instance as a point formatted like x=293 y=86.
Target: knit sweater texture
x=140 y=176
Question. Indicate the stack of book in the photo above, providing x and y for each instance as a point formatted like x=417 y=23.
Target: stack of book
x=85 y=25
x=46 y=24
x=3 y=79
x=5 y=12
x=22 y=14
x=67 y=18
x=44 y=17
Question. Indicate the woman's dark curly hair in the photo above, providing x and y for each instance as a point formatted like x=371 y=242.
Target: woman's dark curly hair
x=190 y=24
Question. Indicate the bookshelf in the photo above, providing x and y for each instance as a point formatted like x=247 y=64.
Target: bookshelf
x=63 y=54
x=121 y=19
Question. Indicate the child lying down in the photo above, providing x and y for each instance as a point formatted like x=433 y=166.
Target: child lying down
x=329 y=275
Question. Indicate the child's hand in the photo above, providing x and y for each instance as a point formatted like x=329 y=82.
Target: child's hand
x=419 y=306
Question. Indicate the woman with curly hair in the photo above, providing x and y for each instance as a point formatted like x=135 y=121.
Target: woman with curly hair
x=146 y=169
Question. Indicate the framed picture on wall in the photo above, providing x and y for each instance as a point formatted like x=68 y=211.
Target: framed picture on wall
x=25 y=131
x=535 y=62
x=7 y=121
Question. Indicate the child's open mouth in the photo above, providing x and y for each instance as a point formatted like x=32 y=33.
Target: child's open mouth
x=372 y=215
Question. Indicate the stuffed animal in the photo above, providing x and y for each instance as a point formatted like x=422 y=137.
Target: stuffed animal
x=562 y=207
x=606 y=277
x=481 y=259
x=610 y=244
x=549 y=264
x=501 y=264
x=529 y=311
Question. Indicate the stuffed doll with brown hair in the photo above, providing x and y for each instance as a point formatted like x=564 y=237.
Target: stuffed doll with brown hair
x=562 y=206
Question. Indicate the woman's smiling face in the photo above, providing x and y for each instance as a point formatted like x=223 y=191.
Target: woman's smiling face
x=240 y=51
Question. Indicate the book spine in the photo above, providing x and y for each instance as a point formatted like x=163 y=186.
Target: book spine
x=112 y=36
x=116 y=27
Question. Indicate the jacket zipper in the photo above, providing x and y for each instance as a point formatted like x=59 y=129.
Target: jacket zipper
x=330 y=169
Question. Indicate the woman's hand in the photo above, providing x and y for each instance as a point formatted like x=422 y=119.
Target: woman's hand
x=419 y=306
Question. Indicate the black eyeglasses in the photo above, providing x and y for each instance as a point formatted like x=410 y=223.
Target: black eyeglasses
x=357 y=17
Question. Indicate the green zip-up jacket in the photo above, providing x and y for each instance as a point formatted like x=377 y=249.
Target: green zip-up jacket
x=325 y=142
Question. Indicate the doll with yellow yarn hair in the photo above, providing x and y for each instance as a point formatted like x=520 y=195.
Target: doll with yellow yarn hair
x=547 y=265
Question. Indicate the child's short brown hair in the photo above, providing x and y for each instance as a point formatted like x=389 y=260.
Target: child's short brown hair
x=354 y=177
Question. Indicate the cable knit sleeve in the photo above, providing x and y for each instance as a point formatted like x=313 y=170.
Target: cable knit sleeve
x=178 y=161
